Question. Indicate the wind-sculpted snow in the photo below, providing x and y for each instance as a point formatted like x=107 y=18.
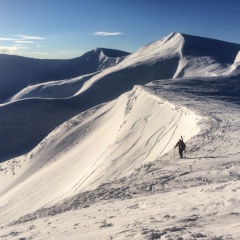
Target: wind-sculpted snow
x=99 y=158
x=104 y=143
x=55 y=89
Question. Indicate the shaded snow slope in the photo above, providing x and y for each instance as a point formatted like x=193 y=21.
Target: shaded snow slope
x=223 y=52
x=25 y=123
x=205 y=56
x=17 y=72
x=54 y=89
x=101 y=144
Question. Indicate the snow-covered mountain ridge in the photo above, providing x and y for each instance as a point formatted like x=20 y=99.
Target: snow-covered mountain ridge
x=100 y=147
x=19 y=72
x=177 y=55
x=123 y=136
x=167 y=58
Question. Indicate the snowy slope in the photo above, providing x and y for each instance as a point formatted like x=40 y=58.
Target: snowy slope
x=106 y=167
x=103 y=143
x=177 y=55
x=160 y=194
x=19 y=72
x=54 y=89
x=172 y=56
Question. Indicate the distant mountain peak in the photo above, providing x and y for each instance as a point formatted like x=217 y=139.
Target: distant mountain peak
x=111 y=52
x=165 y=48
x=174 y=34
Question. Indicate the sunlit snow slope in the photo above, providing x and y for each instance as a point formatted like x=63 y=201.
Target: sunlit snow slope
x=103 y=143
x=121 y=121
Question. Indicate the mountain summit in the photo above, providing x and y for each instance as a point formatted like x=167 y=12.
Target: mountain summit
x=190 y=55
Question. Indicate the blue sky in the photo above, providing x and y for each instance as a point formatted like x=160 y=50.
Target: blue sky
x=69 y=28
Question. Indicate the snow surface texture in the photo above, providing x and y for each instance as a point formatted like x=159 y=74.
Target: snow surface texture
x=106 y=168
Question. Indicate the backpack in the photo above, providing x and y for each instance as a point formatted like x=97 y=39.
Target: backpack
x=182 y=145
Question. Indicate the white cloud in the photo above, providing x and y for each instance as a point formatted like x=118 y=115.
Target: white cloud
x=14 y=45
x=44 y=53
x=21 y=38
x=8 y=39
x=107 y=33
x=8 y=50
x=23 y=41
x=31 y=37
x=64 y=52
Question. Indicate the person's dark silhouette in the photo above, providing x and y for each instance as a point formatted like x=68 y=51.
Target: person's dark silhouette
x=181 y=147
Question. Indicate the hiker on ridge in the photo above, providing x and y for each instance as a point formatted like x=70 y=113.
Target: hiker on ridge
x=181 y=146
